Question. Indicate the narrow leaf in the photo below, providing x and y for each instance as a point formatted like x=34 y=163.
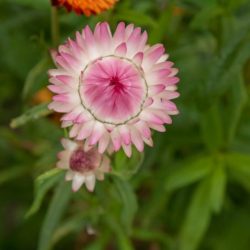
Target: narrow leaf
x=189 y=173
x=31 y=114
x=203 y=17
x=211 y=128
x=239 y=168
x=238 y=100
x=129 y=202
x=73 y=225
x=33 y=75
x=122 y=240
x=239 y=162
x=233 y=55
x=242 y=179
x=149 y=235
x=197 y=219
x=55 y=212
x=136 y=17
x=43 y=184
x=218 y=185
x=12 y=173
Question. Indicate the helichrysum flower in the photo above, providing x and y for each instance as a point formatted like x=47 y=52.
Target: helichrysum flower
x=84 y=165
x=113 y=89
x=86 y=7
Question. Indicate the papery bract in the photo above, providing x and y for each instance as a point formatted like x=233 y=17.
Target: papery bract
x=84 y=165
x=113 y=89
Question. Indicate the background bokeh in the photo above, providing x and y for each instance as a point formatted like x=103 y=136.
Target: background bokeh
x=190 y=191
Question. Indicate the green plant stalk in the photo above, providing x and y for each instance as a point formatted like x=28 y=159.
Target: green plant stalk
x=55 y=30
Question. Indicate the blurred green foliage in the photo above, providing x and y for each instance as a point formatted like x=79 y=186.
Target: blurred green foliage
x=191 y=190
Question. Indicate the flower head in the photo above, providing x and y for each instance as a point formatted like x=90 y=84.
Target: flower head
x=113 y=89
x=83 y=165
x=86 y=7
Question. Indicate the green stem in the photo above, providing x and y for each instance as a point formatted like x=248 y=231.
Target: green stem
x=54 y=26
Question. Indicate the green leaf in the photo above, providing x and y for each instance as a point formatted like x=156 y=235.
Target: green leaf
x=31 y=114
x=239 y=166
x=218 y=186
x=233 y=55
x=197 y=218
x=34 y=74
x=238 y=100
x=55 y=212
x=202 y=4
x=129 y=202
x=203 y=17
x=73 y=225
x=98 y=245
x=125 y=167
x=239 y=162
x=195 y=170
x=136 y=17
x=38 y=4
x=241 y=179
x=122 y=240
x=231 y=232
x=43 y=183
x=235 y=4
x=211 y=128
x=149 y=235
x=12 y=173
x=164 y=23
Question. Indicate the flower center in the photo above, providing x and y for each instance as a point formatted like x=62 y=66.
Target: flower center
x=117 y=85
x=113 y=90
x=82 y=161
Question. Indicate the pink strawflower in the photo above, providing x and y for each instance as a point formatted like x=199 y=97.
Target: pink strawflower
x=84 y=165
x=113 y=88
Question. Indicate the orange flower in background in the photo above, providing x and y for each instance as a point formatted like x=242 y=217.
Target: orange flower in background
x=86 y=7
x=42 y=96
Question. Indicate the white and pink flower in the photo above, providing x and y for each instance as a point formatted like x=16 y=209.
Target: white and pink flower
x=113 y=89
x=84 y=165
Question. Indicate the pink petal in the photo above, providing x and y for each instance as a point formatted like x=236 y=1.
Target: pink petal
x=58 y=107
x=148 y=102
x=90 y=182
x=143 y=41
x=152 y=55
x=85 y=130
x=138 y=58
x=57 y=89
x=97 y=133
x=143 y=128
x=172 y=80
x=77 y=182
x=119 y=33
x=116 y=139
x=128 y=31
x=125 y=134
x=148 y=141
x=121 y=50
x=156 y=89
x=137 y=140
x=103 y=143
x=157 y=127
x=74 y=130
x=151 y=118
x=127 y=149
